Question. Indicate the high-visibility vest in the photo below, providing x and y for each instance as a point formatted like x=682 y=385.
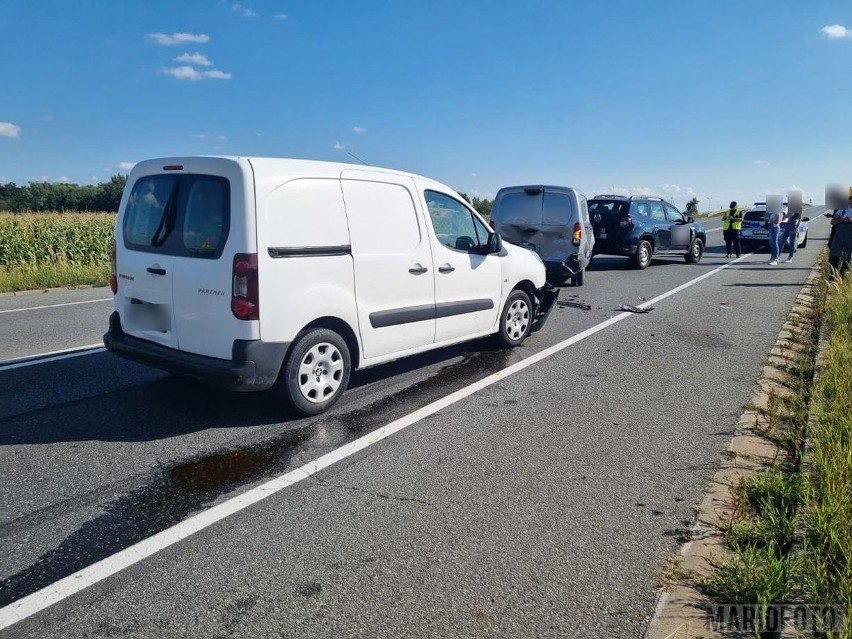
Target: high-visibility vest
x=734 y=221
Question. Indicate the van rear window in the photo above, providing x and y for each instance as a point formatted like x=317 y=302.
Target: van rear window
x=183 y=215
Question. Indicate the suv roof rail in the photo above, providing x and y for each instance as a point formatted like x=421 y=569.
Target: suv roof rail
x=607 y=196
x=646 y=197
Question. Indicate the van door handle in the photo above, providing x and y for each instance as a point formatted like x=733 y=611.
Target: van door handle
x=446 y=268
x=417 y=269
x=156 y=271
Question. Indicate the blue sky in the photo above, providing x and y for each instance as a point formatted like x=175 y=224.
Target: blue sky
x=722 y=100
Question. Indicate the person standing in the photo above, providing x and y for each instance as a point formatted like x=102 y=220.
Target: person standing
x=791 y=229
x=732 y=222
x=840 y=245
x=774 y=231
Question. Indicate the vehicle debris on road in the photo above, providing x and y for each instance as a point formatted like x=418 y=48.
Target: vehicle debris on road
x=635 y=309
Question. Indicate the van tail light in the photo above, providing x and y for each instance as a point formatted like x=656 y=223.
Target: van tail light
x=113 y=279
x=578 y=233
x=626 y=222
x=245 y=298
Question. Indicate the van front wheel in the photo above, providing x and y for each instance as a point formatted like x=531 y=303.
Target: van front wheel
x=316 y=372
x=515 y=320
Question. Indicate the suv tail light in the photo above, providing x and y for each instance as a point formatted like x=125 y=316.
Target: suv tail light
x=578 y=233
x=626 y=222
x=113 y=279
x=245 y=298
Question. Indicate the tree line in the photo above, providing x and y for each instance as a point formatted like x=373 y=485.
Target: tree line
x=60 y=196
x=482 y=205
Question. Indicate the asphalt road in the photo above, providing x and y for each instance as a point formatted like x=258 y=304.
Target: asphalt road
x=544 y=504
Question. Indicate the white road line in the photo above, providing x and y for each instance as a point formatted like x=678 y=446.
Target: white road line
x=52 y=356
x=35 y=308
x=82 y=579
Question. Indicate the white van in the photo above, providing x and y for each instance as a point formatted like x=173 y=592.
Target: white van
x=251 y=273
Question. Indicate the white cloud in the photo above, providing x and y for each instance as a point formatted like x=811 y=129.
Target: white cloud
x=836 y=32
x=178 y=38
x=621 y=190
x=359 y=129
x=9 y=130
x=760 y=163
x=217 y=75
x=209 y=136
x=338 y=146
x=126 y=166
x=473 y=175
x=280 y=16
x=676 y=189
x=94 y=178
x=194 y=58
x=245 y=11
x=183 y=73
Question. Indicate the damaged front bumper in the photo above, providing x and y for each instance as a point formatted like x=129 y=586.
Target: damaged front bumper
x=545 y=300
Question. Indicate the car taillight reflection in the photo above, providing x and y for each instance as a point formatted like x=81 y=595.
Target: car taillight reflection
x=578 y=234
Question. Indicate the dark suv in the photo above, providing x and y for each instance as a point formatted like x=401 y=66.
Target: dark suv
x=641 y=227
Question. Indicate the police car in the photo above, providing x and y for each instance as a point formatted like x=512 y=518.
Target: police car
x=754 y=232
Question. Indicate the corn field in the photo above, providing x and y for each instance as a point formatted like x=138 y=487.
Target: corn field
x=32 y=239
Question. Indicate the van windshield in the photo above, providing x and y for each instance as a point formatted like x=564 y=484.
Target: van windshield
x=182 y=215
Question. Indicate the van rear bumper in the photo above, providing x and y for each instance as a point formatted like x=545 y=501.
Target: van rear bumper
x=254 y=364
x=569 y=267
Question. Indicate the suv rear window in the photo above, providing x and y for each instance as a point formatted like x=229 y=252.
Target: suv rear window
x=182 y=215
x=608 y=207
x=751 y=216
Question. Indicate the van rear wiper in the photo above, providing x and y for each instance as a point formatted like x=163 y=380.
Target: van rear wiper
x=166 y=224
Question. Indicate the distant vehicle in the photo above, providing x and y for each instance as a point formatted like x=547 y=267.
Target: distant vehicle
x=755 y=232
x=641 y=227
x=553 y=221
x=256 y=273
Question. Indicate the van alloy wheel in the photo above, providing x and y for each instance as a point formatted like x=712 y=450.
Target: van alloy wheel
x=320 y=373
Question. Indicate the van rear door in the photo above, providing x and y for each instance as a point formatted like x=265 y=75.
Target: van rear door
x=182 y=224
x=144 y=268
x=517 y=215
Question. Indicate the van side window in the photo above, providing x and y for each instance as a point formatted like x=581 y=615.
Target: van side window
x=454 y=223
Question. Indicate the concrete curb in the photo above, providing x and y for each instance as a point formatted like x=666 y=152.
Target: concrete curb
x=681 y=610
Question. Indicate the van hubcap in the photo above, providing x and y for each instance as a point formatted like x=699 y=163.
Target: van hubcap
x=517 y=319
x=320 y=373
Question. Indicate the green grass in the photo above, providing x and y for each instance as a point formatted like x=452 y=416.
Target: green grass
x=46 y=250
x=827 y=569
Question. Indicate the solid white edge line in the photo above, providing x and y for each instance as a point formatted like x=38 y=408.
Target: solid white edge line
x=52 y=356
x=35 y=308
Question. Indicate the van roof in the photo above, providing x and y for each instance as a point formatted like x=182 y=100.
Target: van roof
x=541 y=187
x=283 y=167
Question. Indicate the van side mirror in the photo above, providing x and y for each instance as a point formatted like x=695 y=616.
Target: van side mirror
x=494 y=244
